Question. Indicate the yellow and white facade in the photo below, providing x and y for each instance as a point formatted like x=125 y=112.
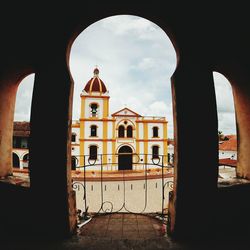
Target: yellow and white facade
x=102 y=137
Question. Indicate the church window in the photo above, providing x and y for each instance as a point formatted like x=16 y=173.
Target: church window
x=129 y=131
x=93 y=130
x=93 y=152
x=155 y=152
x=155 y=132
x=93 y=107
x=121 y=131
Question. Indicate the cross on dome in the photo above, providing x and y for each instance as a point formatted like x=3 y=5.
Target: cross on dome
x=96 y=71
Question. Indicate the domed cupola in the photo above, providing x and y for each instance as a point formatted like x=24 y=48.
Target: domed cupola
x=95 y=84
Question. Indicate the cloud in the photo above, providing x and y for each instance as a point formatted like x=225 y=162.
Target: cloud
x=24 y=98
x=225 y=104
x=136 y=60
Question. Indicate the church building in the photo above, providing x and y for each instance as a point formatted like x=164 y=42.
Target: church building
x=108 y=139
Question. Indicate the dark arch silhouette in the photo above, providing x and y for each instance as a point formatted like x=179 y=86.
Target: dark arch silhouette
x=74 y=162
x=15 y=161
x=125 y=158
x=121 y=131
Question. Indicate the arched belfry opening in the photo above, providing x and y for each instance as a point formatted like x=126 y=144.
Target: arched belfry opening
x=205 y=38
x=227 y=131
x=122 y=87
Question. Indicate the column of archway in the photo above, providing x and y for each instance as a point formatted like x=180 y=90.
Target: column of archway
x=50 y=159
x=241 y=92
x=7 y=107
x=196 y=156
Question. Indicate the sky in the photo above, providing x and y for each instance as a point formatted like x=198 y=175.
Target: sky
x=136 y=60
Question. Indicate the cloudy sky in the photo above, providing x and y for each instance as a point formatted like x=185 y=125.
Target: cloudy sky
x=136 y=60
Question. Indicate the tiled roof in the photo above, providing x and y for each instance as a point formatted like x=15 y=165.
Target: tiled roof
x=229 y=145
x=95 y=84
x=171 y=142
x=21 y=129
x=228 y=162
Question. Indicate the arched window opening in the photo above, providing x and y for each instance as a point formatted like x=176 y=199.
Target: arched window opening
x=129 y=131
x=93 y=110
x=93 y=152
x=26 y=161
x=21 y=126
x=15 y=161
x=121 y=131
x=155 y=152
x=93 y=130
x=74 y=163
x=227 y=134
x=137 y=96
x=155 y=131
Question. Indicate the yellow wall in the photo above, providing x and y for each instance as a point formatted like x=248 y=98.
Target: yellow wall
x=165 y=143
x=105 y=107
x=82 y=127
x=105 y=144
x=137 y=137
x=113 y=144
x=145 y=135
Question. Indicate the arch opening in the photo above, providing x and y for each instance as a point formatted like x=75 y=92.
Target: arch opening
x=227 y=133
x=125 y=158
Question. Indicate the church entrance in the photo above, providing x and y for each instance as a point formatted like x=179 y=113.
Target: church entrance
x=125 y=158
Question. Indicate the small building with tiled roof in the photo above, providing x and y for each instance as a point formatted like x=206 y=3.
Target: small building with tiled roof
x=228 y=147
x=20 y=153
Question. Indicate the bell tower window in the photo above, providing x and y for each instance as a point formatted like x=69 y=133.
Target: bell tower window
x=93 y=152
x=93 y=110
x=155 y=132
x=93 y=130
x=155 y=152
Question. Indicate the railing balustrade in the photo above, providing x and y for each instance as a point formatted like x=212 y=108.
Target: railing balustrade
x=117 y=178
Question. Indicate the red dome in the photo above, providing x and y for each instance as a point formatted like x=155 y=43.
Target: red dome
x=95 y=84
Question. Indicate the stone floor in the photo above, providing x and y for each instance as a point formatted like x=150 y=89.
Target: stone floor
x=123 y=226
x=119 y=232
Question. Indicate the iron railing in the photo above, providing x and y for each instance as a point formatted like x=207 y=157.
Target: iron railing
x=144 y=167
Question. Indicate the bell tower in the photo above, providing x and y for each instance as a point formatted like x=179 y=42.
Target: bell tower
x=94 y=114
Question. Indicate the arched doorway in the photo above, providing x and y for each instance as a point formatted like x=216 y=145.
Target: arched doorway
x=15 y=160
x=125 y=158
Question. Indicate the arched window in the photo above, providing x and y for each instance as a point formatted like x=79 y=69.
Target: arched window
x=93 y=152
x=15 y=160
x=93 y=130
x=121 y=131
x=73 y=137
x=129 y=131
x=93 y=111
x=26 y=161
x=74 y=162
x=155 y=132
x=155 y=152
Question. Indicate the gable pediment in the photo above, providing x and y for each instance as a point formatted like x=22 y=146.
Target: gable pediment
x=126 y=112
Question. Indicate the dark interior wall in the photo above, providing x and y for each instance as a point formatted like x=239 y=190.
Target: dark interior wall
x=38 y=38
